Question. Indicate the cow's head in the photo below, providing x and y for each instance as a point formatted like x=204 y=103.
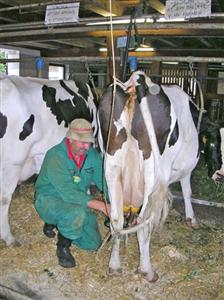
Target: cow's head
x=212 y=140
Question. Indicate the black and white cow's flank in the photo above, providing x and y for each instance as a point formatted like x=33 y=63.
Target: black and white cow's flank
x=34 y=116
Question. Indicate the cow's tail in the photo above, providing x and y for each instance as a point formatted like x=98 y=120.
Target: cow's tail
x=158 y=207
x=155 y=212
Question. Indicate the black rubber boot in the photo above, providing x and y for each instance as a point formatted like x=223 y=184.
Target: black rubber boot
x=107 y=222
x=65 y=258
x=49 y=230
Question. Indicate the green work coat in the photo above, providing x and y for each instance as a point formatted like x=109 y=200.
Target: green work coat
x=61 y=195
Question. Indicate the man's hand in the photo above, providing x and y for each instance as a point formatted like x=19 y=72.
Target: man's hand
x=100 y=206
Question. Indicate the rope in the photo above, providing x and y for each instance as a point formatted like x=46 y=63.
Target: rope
x=110 y=122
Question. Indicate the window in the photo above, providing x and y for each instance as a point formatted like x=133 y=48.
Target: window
x=9 y=68
x=56 y=72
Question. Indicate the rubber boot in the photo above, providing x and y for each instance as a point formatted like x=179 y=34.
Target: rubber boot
x=65 y=258
x=49 y=230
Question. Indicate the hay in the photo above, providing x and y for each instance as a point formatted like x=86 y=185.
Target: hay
x=189 y=263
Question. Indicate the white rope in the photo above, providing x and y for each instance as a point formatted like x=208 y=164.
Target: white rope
x=113 y=104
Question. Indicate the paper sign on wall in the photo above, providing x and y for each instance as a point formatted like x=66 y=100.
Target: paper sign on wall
x=187 y=8
x=62 y=13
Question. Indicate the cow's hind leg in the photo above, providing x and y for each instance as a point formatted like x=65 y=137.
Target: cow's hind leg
x=145 y=266
x=113 y=175
x=189 y=212
x=115 y=262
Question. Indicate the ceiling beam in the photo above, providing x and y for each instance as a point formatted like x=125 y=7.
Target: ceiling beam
x=157 y=5
x=165 y=41
x=101 y=7
x=166 y=52
x=35 y=45
x=38 y=4
x=44 y=36
x=205 y=42
x=159 y=29
x=75 y=43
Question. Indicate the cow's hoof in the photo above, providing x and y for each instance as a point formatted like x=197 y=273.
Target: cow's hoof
x=16 y=243
x=141 y=272
x=150 y=279
x=13 y=243
x=153 y=279
x=191 y=224
x=114 y=272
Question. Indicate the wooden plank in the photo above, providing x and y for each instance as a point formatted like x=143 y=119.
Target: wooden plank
x=157 y=5
x=102 y=8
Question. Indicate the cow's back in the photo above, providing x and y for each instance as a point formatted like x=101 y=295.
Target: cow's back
x=36 y=113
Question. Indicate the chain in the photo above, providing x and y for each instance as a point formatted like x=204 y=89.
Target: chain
x=191 y=65
x=91 y=78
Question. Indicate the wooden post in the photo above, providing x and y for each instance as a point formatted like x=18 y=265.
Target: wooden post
x=202 y=73
x=156 y=70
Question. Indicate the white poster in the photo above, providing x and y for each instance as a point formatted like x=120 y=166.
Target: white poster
x=62 y=13
x=187 y=9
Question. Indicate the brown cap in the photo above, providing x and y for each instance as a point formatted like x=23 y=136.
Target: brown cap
x=80 y=130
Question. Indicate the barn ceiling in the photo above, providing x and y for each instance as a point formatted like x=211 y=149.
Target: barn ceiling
x=22 y=25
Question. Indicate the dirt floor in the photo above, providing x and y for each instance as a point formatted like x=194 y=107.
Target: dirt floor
x=189 y=262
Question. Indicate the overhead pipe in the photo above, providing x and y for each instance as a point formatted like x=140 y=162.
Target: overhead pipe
x=100 y=59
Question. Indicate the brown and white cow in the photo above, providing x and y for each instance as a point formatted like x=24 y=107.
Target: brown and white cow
x=153 y=142
x=34 y=114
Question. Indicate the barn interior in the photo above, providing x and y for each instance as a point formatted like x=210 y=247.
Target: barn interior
x=187 y=50
x=171 y=48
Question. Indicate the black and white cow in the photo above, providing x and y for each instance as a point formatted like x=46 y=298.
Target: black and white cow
x=34 y=114
x=153 y=142
x=212 y=138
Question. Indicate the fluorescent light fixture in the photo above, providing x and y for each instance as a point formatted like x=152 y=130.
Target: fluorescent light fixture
x=124 y=21
x=149 y=20
x=170 y=62
x=162 y=19
x=144 y=49
x=138 y=49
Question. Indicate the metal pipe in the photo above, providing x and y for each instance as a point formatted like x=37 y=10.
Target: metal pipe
x=100 y=59
x=84 y=21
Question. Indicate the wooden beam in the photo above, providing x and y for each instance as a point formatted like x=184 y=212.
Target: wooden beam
x=35 y=45
x=157 y=5
x=165 y=41
x=76 y=52
x=205 y=42
x=80 y=43
x=102 y=8
x=154 y=30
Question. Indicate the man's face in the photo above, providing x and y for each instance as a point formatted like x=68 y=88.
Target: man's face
x=78 y=148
